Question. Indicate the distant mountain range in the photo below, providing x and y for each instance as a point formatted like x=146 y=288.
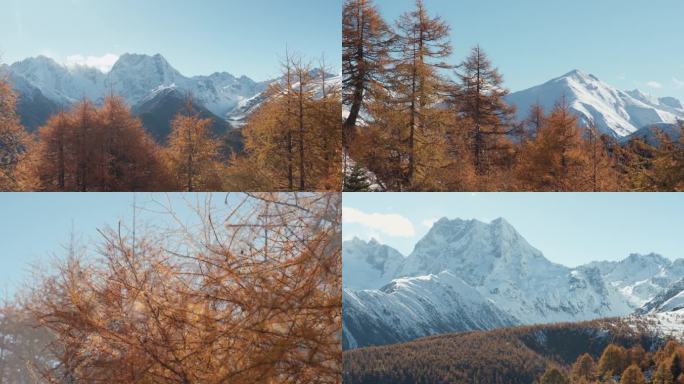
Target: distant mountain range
x=468 y=275
x=621 y=114
x=149 y=84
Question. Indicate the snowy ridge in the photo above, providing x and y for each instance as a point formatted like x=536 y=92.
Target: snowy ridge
x=134 y=77
x=641 y=277
x=368 y=264
x=617 y=113
x=464 y=270
x=408 y=308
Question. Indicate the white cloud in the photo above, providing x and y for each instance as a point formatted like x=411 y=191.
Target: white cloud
x=429 y=222
x=654 y=84
x=678 y=84
x=104 y=63
x=389 y=224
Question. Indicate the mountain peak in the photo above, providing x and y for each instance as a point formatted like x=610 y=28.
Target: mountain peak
x=579 y=75
x=614 y=112
x=650 y=257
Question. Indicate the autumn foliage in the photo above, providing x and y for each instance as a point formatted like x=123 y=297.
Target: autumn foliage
x=292 y=141
x=421 y=123
x=250 y=294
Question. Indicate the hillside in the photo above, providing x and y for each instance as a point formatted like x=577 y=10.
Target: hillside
x=511 y=356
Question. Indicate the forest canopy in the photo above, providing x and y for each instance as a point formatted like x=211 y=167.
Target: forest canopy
x=415 y=120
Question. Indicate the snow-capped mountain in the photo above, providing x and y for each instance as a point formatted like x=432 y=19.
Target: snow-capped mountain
x=495 y=259
x=328 y=83
x=465 y=265
x=615 y=112
x=664 y=314
x=640 y=278
x=367 y=265
x=134 y=77
x=669 y=300
x=408 y=308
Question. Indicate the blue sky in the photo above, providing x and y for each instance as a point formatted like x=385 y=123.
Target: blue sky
x=197 y=37
x=36 y=226
x=569 y=228
x=628 y=44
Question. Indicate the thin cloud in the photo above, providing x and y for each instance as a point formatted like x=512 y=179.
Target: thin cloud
x=389 y=224
x=104 y=63
x=654 y=84
x=429 y=222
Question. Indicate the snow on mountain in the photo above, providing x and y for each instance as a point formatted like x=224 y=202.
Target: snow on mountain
x=664 y=314
x=238 y=115
x=669 y=300
x=367 y=265
x=492 y=259
x=408 y=308
x=57 y=82
x=614 y=112
x=135 y=77
x=505 y=268
x=640 y=277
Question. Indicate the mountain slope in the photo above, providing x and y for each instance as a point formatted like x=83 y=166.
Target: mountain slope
x=45 y=86
x=614 y=112
x=158 y=111
x=367 y=265
x=495 y=259
x=640 y=277
x=461 y=271
x=410 y=308
x=513 y=355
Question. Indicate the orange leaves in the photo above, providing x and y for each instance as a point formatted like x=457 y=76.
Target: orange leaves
x=264 y=310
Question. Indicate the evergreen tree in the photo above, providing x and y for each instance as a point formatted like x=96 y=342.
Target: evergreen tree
x=357 y=181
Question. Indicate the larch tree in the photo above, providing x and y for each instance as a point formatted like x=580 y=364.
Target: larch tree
x=14 y=142
x=303 y=94
x=668 y=164
x=584 y=368
x=632 y=375
x=91 y=149
x=601 y=175
x=417 y=84
x=192 y=153
x=554 y=160
x=554 y=376
x=293 y=139
x=613 y=361
x=663 y=374
x=479 y=98
x=366 y=44
x=254 y=299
